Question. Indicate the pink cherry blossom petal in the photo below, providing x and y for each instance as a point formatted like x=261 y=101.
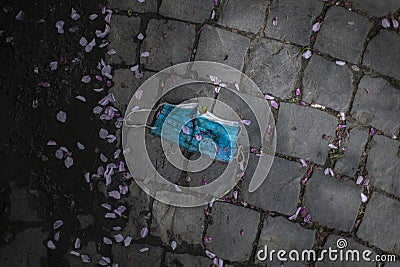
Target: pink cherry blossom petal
x=198 y=137
x=93 y=16
x=61 y=116
x=145 y=54
x=269 y=97
x=144 y=249
x=173 y=245
x=110 y=215
x=275 y=21
x=209 y=254
x=51 y=143
x=114 y=194
x=144 y=232
x=140 y=36
x=107 y=240
x=51 y=245
x=83 y=41
x=316 y=27
x=57 y=224
x=246 y=122
x=81 y=98
x=127 y=241
x=307 y=54
x=60 y=26
x=69 y=161
x=74 y=15
x=111 y=52
x=340 y=63
x=304 y=163
x=138 y=94
x=274 y=104
x=85 y=258
x=395 y=23
x=385 y=23
x=77 y=243
x=20 y=15
x=185 y=129
x=298 y=92
x=53 y=65
x=86 y=79
x=371 y=132
x=364 y=198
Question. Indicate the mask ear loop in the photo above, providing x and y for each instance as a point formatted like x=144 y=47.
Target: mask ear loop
x=142 y=125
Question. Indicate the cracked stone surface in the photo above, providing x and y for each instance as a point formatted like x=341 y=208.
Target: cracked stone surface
x=333 y=203
x=295 y=123
x=328 y=84
x=21 y=201
x=123 y=39
x=280 y=191
x=251 y=18
x=295 y=19
x=377 y=103
x=355 y=143
x=274 y=67
x=375 y=8
x=342 y=34
x=383 y=164
x=168 y=42
x=190 y=10
x=379 y=226
x=227 y=47
x=136 y=6
x=275 y=235
x=383 y=62
x=351 y=246
x=226 y=228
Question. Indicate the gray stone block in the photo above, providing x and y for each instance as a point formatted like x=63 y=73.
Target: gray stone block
x=376 y=8
x=222 y=46
x=296 y=124
x=383 y=53
x=179 y=260
x=378 y=108
x=274 y=67
x=327 y=84
x=189 y=10
x=280 y=191
x=342 y=34
x=383 y=164
x=149 y=258
x=228 y=222
x=168 y=42
x=355 y=144
x=380 y=224
x=243 y=15
x=281 y=234
x=333 y=203
x=123 y=38
x=295 y=19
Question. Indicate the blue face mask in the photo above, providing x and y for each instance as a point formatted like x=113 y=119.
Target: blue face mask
x=203 y=133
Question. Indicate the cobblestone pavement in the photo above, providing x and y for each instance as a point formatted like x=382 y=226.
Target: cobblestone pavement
x=340 y=169
x=332 y=68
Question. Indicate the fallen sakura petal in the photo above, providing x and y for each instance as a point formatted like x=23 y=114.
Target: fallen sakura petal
x=246 y=122
x=69 y=162
x=198 y=137
x=135 y=68
x=144 y=249
x=89 y=46
x=213 y=14
x=123 y=189
x=57 y=236
x=83 y=41
x=342 y=116
x=395 y=23
x=86 y=79
x=144 y=232
x=53 y=65
x=268 y=97
x=111 y=52
x=217 y=89
x=298 y=92
x=145 y=54
x=316 y=26
x=107 y=240
x=307 y=54
x=57 y=224
x=185 y=129
x=77 y=243
x=140 y=36
x=118 y=238
x=114 y=194
x=74 y=14
x=103 y=158
x=61 y=116
x=75 y=253
x=275 y=21
x=209 y=254
x=50 y=245
x=385 y=23
x=333 y=146
x=359 y=180
x=80 y=146
x=218 y=262
x=307 y=218
x=20 y=15
x=371 y=132
x=85 y=258
x=340 y=63
x=274 y=104
x=364 y=198
x=173 y=245
x=107 y=19
x=81 y=98
x=60 y=26
x=59 y=154
x=103 y=133
x=51 y=143
x=235 y=194
x=93 y=16
x=127 y=241
x=110 y=215
x=103 y=34
x=237 y=86
x=106 y=206
x=294 y=216
x=304 y=163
